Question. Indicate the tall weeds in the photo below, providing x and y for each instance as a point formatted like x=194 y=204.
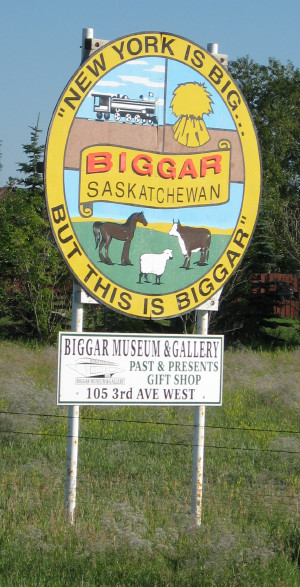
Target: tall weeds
x=133 y=524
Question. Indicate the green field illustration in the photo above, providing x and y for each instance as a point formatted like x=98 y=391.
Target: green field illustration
x=146 y=240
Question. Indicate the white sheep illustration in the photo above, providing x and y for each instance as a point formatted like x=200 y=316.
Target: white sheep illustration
x=154 y=263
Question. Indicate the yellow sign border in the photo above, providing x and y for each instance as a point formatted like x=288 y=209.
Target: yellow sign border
x=98 y=286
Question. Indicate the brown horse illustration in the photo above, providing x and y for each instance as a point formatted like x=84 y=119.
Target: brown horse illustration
x=104 y=232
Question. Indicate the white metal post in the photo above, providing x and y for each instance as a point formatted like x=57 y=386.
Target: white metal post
x=199 y=411
x=86 y=34
x=199 y=437
x=73 y=411
x=73 y=420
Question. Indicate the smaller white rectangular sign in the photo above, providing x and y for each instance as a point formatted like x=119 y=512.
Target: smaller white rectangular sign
x=139 y=369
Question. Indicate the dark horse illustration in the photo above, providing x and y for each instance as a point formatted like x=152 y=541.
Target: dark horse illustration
x=104 y=232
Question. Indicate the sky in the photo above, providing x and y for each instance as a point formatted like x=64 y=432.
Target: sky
x=40 y=47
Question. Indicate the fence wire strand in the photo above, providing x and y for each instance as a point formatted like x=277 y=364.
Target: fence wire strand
x=153 y=442
x=152 y=422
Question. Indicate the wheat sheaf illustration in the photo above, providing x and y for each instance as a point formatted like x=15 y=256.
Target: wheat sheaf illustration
x=189 y=104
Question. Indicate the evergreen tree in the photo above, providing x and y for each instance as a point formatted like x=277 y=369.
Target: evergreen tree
x=35 y=281
x=1 y=166
x=33 y=180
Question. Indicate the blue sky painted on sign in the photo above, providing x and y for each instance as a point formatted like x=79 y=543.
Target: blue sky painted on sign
x=136 y=78
x=40 y=47
x=140 y=76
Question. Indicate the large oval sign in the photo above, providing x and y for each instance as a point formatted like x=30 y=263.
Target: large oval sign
x=153 y=175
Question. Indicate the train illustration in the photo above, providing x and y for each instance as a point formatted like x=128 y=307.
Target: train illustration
x=124 y=109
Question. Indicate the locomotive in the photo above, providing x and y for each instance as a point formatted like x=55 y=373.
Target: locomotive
x=142 y=110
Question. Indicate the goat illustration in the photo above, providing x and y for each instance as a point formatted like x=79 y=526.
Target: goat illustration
x=192 y=240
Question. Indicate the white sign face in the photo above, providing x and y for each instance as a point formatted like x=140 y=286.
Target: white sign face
x=139 y=369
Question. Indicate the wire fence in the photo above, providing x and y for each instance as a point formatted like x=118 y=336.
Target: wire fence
x=273 y=493
x=155 y=423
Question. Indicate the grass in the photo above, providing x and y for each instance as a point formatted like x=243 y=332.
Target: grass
x=133 y=524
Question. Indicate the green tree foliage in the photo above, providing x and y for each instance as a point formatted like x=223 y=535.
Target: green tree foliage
x=1 y=165
x=33 y=179
x=273 y=95
x=34 y=278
